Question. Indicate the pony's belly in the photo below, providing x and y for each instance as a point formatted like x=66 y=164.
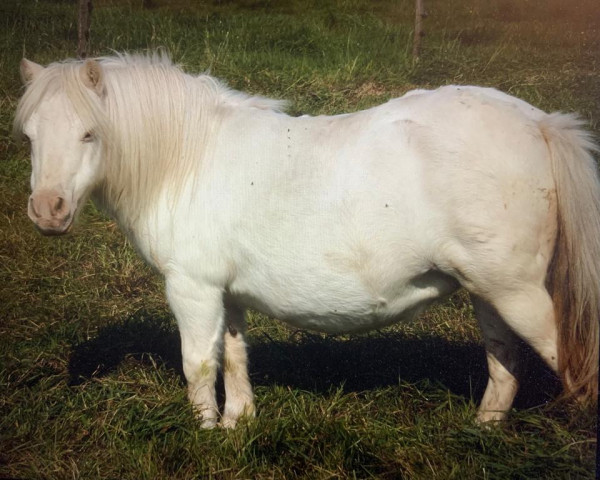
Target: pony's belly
x=338 y=323
x=353 y=309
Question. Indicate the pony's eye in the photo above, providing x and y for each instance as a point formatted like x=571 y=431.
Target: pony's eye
x=88 y=137
x=26 y=138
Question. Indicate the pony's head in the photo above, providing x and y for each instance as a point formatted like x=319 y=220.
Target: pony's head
x=58 y=115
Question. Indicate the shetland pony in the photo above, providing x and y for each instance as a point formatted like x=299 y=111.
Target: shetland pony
x=334 y=223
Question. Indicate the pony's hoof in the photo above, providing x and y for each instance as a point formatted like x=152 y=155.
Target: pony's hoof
x=229 y=423
x=208 y=423
x=489 y=418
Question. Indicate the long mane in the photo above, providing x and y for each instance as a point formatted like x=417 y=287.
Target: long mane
x=155 y=123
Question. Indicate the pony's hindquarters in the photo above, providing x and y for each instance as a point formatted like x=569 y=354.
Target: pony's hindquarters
x=521 y=208
x=550 y=301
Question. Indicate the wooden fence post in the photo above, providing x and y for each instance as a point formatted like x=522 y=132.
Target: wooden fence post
x=83 y=27
x=420 y=14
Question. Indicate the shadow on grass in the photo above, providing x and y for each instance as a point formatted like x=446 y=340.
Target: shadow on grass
x=384 y=359
x=138 y=337
x=311 y=362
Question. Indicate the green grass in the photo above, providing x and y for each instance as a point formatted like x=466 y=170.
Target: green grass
x=90 y=365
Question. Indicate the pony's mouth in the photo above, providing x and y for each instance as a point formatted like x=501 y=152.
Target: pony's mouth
x=50 y=230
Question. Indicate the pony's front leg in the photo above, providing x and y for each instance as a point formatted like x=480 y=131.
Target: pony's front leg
x=199 y=312
x=239 y=399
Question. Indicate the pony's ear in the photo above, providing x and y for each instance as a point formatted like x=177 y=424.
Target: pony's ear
x=92 y=76
x=29 y=70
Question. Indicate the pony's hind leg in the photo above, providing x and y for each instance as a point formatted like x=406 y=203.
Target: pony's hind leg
x=239 y=399
x=529 y=313
x=501 y=346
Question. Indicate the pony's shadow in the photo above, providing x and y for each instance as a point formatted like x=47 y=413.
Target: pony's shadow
x=384 y=359
x=143 y=337
x=316 y=363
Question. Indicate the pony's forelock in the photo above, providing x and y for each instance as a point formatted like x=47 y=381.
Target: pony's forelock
x=56 y=78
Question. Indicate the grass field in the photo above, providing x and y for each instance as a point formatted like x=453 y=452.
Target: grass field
x=90 y=367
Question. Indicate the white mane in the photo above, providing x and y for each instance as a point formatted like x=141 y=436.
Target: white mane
x=155 y=122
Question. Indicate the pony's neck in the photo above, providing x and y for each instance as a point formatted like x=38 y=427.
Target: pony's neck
x=162 y=121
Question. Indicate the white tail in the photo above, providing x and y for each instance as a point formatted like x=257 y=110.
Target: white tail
x=574 y=275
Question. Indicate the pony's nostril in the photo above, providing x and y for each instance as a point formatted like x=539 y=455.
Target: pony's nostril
x=60 y=207
x=58 y=204
x=32 y=209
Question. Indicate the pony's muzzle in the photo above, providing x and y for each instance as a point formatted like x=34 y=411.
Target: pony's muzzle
x=50 y=212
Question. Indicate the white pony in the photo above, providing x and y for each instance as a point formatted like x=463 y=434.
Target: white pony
x=339 y=224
